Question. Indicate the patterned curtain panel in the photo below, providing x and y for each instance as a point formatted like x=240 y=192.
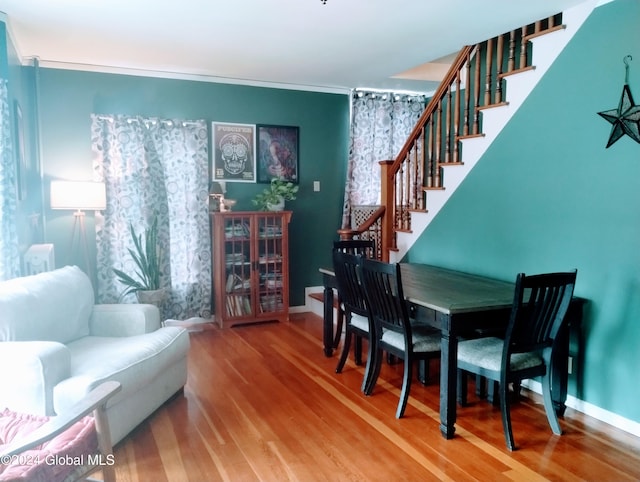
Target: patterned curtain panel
x=9 y=252
x=380 y=125
x=154 y=167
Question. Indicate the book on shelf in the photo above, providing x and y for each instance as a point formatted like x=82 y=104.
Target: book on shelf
x=235 y=282
x=238 y=305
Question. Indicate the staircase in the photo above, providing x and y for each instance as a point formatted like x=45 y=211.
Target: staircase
x=486 y=85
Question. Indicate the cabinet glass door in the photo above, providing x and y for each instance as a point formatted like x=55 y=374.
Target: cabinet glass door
x=237 y=259
x=270 y=262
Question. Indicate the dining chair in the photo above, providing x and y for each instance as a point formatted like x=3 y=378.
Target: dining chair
x=358 y=324
x=538 y=314
x=364 y=247
x=395 y=332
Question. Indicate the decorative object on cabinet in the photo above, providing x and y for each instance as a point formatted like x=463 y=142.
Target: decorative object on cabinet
x=278 y=148
x=250 y=266
x=234 y=149
x=146 y=255
x=274 y=196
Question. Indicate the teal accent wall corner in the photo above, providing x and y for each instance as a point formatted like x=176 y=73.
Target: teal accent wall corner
x=548 y=196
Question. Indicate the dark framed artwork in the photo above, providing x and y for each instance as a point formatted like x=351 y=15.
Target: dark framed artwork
x=278 y=153
x=234 y=152
x=21 y=162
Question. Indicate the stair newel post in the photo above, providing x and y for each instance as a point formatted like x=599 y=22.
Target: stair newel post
x=387 y=200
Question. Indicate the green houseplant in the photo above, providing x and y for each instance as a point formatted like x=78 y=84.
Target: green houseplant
x=274 y=196
x=145 y=281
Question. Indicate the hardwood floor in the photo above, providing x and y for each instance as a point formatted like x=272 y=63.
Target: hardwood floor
x=263 y=403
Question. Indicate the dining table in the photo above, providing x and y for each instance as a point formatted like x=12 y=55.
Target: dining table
x=459 y=304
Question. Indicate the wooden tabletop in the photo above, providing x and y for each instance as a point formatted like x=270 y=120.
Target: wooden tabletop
x=451 y=292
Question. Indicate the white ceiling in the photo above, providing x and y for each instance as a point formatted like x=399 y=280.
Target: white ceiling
x=336 y=46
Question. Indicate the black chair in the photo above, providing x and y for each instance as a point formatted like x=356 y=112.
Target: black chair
x=395 y=333
x=539 y=308
x=366 y=248
x=352 y=297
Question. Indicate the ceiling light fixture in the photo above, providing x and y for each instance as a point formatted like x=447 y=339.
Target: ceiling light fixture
x=324 y=2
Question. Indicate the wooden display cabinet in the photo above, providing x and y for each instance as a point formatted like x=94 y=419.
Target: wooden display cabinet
x=250 y=266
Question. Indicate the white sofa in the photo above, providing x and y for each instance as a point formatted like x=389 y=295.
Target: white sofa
x=56 y=345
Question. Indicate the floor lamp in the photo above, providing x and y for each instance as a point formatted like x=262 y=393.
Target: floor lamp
x=80 y=197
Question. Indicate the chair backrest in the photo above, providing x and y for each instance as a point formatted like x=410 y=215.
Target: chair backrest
x=539 y=308
x=350 y=289
x=365 y=247
x=385 y=297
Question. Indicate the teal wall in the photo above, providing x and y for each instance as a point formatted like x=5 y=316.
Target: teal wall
x=67 y=98
x=547 y=195
x=20 y=89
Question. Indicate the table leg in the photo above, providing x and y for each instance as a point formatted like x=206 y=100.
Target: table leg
x=560 y=372
x=448 y=382
x=327 y=328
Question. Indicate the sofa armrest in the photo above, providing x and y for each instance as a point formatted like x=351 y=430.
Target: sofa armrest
x=124 y=320
x=29 y=370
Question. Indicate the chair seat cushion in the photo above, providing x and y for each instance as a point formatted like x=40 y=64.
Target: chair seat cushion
x=43 y=464
x=424 y=339
x=360 y=322
x=487 y=353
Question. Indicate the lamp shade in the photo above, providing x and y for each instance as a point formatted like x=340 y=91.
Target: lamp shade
x=78 y=195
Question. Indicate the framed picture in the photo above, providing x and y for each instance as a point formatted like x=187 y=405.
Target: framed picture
x=21 y=162
x=278 y=148
x=234 y=148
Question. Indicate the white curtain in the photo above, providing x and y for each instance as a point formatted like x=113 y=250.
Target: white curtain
x=155 y=167
x=380 y=125
x=9 y=251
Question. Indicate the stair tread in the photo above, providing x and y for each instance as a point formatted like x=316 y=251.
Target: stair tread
x=320 y=297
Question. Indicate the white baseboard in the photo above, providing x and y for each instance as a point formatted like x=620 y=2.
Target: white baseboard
x=591 y=410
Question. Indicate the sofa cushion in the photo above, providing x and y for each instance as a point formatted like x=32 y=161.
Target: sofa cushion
x=133 y=361
x=51 y=306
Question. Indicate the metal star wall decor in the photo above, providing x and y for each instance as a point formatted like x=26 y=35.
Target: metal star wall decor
x=626 y=118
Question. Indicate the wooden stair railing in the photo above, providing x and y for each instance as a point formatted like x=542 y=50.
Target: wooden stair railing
x=475 y=81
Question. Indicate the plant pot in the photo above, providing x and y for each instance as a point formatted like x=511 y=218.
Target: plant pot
x=279 y=206
x=154 y=297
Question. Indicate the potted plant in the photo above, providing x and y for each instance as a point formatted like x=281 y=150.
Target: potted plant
x=274 y=196
x=145 y=281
